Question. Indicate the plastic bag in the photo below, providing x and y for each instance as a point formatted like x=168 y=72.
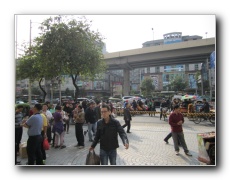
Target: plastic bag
x=92 y=158
x=46 y=145
x=203 y=155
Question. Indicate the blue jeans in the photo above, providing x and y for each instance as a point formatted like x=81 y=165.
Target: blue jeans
x=91 y=127
x=111 y=155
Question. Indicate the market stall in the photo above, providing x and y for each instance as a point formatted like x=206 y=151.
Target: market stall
x=206 y=148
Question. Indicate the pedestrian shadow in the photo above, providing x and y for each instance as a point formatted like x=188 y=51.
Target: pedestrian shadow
x=190 y=159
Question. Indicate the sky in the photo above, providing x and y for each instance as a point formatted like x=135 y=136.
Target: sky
x=125 y=32
x=219 y=8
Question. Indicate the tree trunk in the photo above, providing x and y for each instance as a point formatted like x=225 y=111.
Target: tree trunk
x=43 y=90
x=74 y=78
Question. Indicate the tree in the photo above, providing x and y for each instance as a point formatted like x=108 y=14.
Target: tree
x=69 y=47
x=147 y=86
x=28 y=66
x=178 y=84
x=65 y=47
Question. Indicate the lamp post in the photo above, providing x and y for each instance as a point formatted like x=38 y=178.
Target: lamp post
x=29 y=83
x=51 y=93
x=59 y=86
x=140 y=82
x=153 y=33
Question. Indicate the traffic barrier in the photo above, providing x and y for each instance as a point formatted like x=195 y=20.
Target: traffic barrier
x=120 y=111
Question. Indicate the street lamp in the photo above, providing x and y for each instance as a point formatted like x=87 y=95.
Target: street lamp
x=29 y=83
x=153 y=34
x=59 y=86
x=51 y=92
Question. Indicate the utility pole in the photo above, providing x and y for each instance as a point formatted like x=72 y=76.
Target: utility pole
x=29 y=83
x=153 y=33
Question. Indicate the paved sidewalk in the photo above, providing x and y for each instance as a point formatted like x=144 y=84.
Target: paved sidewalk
x=147 y=147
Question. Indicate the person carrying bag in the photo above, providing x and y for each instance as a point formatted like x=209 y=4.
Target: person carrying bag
x=92 y=158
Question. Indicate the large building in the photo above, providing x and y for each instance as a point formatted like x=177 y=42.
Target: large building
x=162 y=75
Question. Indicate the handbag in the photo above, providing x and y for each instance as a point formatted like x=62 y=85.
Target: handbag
x=46 y=145
x=92 y=158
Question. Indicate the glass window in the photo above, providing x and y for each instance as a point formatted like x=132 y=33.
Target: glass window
x=196 y=67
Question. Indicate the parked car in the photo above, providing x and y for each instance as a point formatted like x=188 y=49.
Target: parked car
x=34 y=102
x=20 y=102
x=82 y=99
x=116 y=102
x=126 y=98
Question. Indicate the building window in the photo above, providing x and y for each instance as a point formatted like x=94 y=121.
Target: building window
x=157 y=69
x=186 y=67
x=196 y=67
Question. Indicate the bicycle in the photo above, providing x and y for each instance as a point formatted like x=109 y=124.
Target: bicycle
x=202 y=117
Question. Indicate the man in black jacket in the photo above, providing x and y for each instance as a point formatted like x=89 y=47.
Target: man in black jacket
x=162 y=106
x=127 y=117
x=107 y=132
x=90 y=118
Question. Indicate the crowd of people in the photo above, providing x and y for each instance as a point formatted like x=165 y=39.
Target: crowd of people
x=44 y=121
x=52 y=123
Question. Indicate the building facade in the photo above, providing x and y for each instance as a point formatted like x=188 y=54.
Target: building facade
x=163 y=75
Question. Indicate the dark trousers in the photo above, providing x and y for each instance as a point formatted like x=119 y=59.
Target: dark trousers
x=169 y=136
x=127 y=123
x=79 y=134
x=18 y=137
x=42 y=149
x=161 y=113
x=34 y=150
x=179 y=137
x=66 y=126
x=49 y=136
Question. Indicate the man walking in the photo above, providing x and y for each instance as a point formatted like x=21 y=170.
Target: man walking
x=127 y=117
x=176 y=120
x=90 y=117
x=108 y=129
x=79 y=118
x=34 y=125
x=162 y=106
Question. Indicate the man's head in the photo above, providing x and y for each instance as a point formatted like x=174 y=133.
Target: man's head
x=19 y=108
x=204 y=100
x=91 y=104
x=37 y=108
x=79 y=108
x=176 y=108
x=58 y=108
x=105 y=111
x=44 y=107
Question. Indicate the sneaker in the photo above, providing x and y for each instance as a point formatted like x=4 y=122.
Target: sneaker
x=85 y=132
x=57 y=147
x=76 y=145
x=18 y=163
x=166 y=141
x=80 y=147
x=63 y=146
x=188 y=154
x=44 y=162
x=128 y=132
x=177 y=153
